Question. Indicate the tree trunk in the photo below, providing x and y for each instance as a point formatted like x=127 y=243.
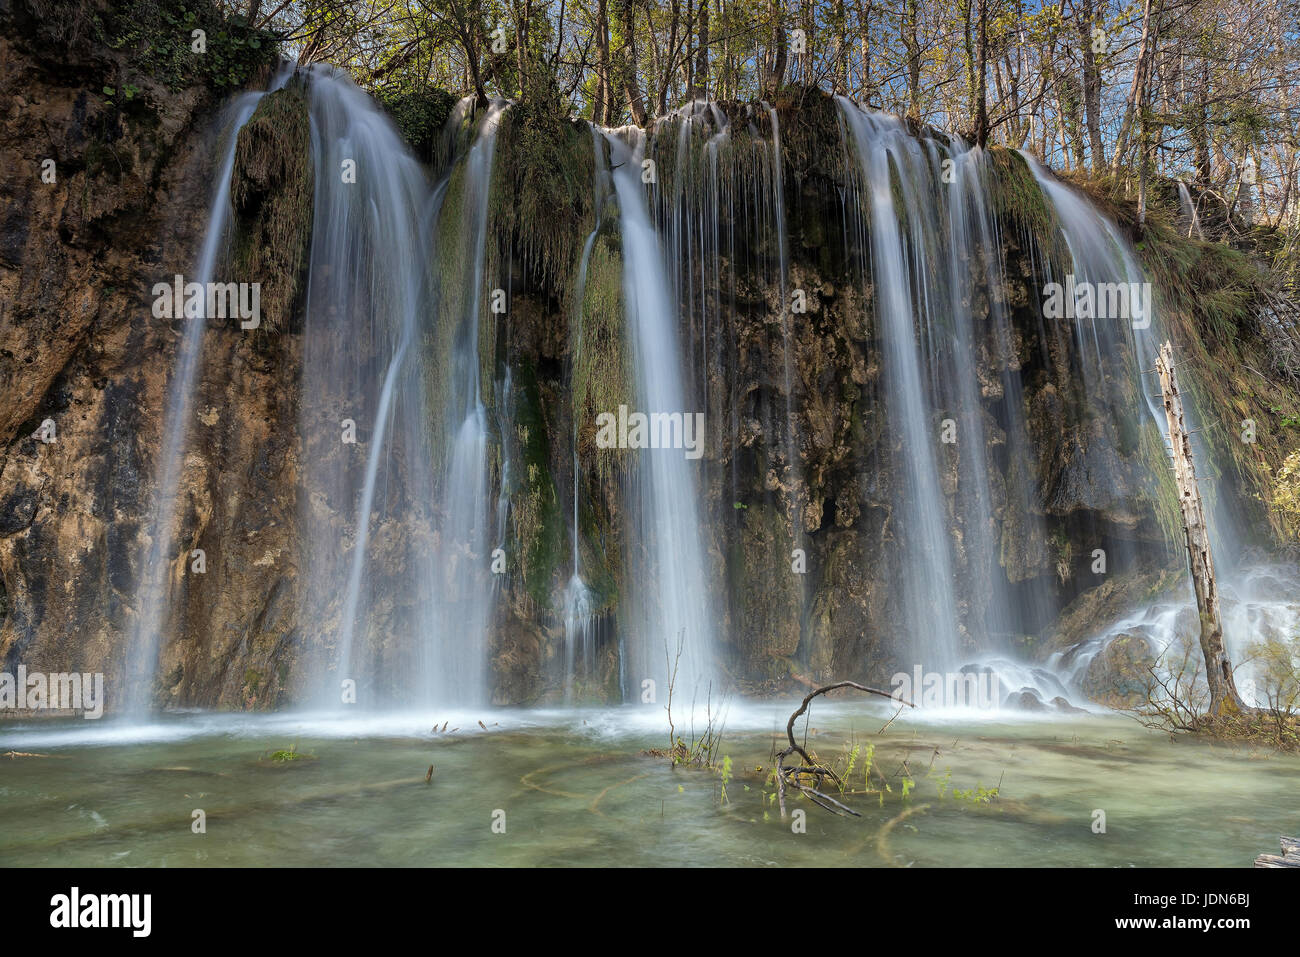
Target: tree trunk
x=981 y=79
x=702 y=54
x=1137 y=91
x=1218 y=669
x=624 y=20
x=1091 y=87
x=864 y=50
x=776 y=54
x=603 y=108
x=912 y=45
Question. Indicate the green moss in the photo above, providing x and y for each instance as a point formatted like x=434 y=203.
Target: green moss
x=542 y=197
x=1161 y=493
x=1016 y=196
x=453 y=258
x=601 y=368
x=534 y=500
x=158 y=37
x=287 y=756
x=421 y=115
x=271 y=189
x=810 y=125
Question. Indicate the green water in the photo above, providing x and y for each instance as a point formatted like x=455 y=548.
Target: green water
x=576 y=789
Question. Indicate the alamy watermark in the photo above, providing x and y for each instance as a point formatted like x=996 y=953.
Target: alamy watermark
x=76 y=909
x=952 y=689
x=1130 y=301
x=58 y=691
x=656 y=430
x=214 y=300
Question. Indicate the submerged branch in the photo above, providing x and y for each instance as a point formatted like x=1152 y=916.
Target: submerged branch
x=789 y=777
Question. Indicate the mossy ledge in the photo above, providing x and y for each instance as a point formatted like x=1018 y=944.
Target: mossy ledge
x=542 y=198
x=271 y=189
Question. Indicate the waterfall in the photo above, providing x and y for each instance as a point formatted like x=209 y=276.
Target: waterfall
x=910 y=309
x=407 y=415
x=1189 y=211
x=670 y=622
x=156 y=560
x=976 y=257
x=367 y=297
x=1100 y=253
x=459 y=632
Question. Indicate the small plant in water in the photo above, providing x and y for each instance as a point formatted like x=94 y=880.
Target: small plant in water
x=285 y=756
x=725 y=776
x=976 y=795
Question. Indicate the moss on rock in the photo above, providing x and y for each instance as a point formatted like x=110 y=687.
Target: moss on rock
x=421 y=116
x=542 y=197
x=534 y=500
x=271 y=189
x=1017 y=197
x=601 y=368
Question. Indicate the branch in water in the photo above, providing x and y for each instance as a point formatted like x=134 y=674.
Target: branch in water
x=790 y=776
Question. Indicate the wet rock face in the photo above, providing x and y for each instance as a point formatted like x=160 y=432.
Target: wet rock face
x=82 y=368
x=80 y=350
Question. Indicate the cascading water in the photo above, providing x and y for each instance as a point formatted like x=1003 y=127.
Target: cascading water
x=466 y=587
x=976 y=257
x=425 y=614
x=722 y=216
x=1100 y=254
x=1189 y=211
x=366 y=299
x=670 y=619
x=901 y=270
x=156 y=561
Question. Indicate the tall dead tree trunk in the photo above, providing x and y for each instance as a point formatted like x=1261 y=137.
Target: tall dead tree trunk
x=1218 y=669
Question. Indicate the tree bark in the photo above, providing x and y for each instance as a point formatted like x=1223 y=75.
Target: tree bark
x=1218 y=669
x=776 y=54
x=627 y=60
x=604 y=106
x=981 y=79
x=1141 y=71
x=702 y=54
x=1091 y=86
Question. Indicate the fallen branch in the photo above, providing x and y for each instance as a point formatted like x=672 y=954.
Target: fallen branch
x=789 y=777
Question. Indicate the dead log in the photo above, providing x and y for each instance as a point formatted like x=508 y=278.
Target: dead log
x=1290 y=856
x=1218 y=669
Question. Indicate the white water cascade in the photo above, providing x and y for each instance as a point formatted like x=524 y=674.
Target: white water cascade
x=366 y=299
x=900 y=243
x=671 y=629
x=466 y=587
